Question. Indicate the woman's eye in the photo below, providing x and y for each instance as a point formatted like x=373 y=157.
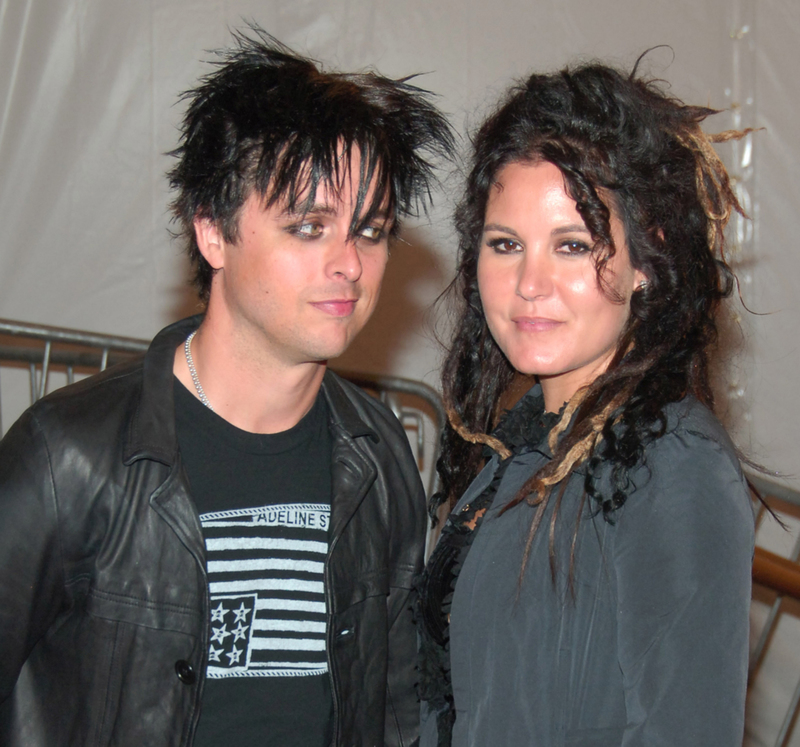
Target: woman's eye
x=504 y=245
x=574 y=247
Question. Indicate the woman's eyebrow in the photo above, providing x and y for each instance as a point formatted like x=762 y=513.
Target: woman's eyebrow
x=499 y=227
x=572 y=228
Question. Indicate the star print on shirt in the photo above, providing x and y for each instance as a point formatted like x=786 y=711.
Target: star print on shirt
x=218 y=614
x=239 y=632
x=213 y=653
x=241 y=613
x=234 y=655
x=220 y=634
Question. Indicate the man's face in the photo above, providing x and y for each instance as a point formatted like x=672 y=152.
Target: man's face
x=296 y=286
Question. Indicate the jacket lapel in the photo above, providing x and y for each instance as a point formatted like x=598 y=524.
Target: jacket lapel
x=352 y=471
x=152 y=436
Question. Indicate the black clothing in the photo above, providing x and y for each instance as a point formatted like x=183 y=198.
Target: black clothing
x=648 y=645
x=520 y=430
x=104 y=617
x=264 y=502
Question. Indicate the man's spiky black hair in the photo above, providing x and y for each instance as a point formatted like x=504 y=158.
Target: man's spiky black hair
x=272 y=122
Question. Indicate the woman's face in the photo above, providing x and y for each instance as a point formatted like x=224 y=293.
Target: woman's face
x=538 y=283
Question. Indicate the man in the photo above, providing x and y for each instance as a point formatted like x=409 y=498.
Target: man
x=216 y=544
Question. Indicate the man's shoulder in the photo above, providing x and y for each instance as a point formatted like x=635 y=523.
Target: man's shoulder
x=93 y=408
x=88 y=395
x=357 y=411
x=366 y=419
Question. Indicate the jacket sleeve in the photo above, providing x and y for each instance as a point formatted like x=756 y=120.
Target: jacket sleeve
x=31 y=575
x=402 y=703
x=682 y=564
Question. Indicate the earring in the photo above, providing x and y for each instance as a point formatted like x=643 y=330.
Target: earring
x=643 y=286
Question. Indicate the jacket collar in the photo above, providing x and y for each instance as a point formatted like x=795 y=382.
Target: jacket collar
x=152 y=435
x=343 y=412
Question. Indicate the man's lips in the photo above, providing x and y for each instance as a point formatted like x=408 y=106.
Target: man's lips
x=336 y=306
x=535 y=323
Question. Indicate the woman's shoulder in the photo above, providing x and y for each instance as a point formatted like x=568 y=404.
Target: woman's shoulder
x=688 y=499
x=691 y=473
x=693 y=434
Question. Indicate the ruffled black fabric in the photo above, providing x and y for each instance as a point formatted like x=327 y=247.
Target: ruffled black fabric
x=522 y=429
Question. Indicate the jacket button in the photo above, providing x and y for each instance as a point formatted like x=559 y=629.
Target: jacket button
x=185 y=672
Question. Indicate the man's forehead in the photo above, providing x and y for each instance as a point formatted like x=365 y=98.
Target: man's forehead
x=334 y=199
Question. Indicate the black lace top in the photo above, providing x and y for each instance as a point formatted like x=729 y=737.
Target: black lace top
x=521 y=429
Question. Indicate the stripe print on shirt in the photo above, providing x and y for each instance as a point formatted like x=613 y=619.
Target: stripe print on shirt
x=265 y=578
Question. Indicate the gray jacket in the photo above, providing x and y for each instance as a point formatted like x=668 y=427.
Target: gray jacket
x=104 y=618
x=649 y=649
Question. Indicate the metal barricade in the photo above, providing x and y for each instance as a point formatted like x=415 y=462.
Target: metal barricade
x=780 y=575
x=45 y=350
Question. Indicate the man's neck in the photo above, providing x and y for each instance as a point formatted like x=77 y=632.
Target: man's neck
x=246 y=386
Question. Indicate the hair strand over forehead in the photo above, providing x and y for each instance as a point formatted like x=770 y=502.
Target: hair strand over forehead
x=270 y=122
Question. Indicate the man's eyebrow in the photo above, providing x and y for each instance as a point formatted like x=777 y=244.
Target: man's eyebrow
x=325 y=209
x=315 y=209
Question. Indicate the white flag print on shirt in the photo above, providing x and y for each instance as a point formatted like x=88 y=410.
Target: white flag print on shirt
x=265 y=576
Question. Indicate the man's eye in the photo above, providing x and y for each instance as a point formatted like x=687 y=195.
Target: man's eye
x=504 y=245
x=372 y=233
x=306 y=230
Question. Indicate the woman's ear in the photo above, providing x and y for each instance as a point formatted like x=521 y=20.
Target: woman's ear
x=210 y=242
x=640 y=281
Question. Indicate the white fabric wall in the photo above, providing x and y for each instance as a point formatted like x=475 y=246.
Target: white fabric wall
x=88 y=92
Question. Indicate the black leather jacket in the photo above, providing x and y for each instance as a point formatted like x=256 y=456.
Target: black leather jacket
x=104 y=619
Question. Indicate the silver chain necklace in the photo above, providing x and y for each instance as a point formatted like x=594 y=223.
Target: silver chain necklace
x=187 y=348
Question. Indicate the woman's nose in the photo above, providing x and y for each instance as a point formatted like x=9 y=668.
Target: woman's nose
x=535 y=279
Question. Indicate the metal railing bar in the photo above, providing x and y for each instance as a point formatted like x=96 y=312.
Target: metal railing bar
x=32 y=377
x=776 y=490
x=45 y=368
x=77 y=337
x=68 y=358
x=786 y=727
x=768 y=488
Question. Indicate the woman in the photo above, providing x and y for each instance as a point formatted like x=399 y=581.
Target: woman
x=592 y=584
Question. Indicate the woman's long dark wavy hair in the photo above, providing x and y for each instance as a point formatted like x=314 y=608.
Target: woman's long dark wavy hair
x=622 y=144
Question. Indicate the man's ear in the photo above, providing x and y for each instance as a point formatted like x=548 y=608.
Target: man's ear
x=210 y=242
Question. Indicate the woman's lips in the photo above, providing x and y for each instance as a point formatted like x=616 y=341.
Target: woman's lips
x=535 y=323
x=336 y=306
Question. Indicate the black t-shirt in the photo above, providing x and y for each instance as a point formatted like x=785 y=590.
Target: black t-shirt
x=264 y=504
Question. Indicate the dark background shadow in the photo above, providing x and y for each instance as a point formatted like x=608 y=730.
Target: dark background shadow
x=400 y=314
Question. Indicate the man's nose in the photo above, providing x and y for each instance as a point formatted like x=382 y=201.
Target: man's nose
x=345 y=260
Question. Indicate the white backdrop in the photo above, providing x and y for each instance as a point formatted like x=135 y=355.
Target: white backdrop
x=88 y=92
